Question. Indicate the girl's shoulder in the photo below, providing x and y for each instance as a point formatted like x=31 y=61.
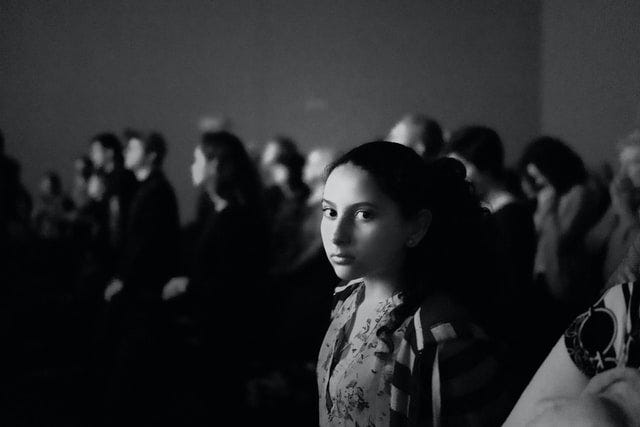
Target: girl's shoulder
x=342 y=292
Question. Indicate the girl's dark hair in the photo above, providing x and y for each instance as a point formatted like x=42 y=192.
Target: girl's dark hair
x=453 y=254
x=562 y=166
x=237 y=181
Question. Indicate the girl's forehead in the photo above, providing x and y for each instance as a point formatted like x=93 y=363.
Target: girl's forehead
x=348 y=183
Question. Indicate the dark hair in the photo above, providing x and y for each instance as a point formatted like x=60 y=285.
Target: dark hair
x=290 y=157
x=86 y=167
x=1 y=143
x=562 y=166
x=482 y=147
x=455 y=235
x=110 y=141
x=237 y=181
x=54 y=182
x=152 y=142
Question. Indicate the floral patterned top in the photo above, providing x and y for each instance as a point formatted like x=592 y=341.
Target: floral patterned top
x=354 y=378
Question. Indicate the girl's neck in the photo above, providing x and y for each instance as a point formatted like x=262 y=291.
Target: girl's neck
x=381 y=287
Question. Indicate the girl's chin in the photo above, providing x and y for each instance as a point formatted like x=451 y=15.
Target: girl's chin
x=346 y=272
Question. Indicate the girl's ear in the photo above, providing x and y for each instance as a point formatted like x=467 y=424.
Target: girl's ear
x=419 y=227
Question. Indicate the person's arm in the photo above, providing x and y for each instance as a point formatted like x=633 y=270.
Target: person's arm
x=558 y=378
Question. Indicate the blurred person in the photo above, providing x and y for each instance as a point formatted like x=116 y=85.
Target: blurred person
x=591 y=374
x=148 y=260
x=285 y=194
x=568 y=205
x=82 y=172
x=481 y=151
x=118 y=184
x=303 y=295
x=52 y=208
x=228 y=269
x=421 y=133
x=609 y=240
x=403 y=347
x=15 y=202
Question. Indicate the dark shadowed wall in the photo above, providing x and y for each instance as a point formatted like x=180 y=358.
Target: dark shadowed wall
x=590 y=83
x=326 y=72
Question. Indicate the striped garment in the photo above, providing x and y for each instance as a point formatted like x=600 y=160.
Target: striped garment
x=447 y=372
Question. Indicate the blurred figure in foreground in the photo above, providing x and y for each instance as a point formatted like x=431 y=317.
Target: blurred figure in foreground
x=568 y=205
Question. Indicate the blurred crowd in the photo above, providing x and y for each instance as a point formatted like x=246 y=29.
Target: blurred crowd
x=113 y=311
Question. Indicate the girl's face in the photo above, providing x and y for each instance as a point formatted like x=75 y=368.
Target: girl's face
x=201 y=169
x=363 y=231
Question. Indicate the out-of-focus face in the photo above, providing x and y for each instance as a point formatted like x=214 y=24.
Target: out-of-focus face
x=201 y=169
x=134 y=156
x=97 y=153
x=314 y=167
x=630 y=163
x=473 y=174
x=268 y=164
x=406 y=133
x=400 y=133
x=472 y=171
x=538 y=178
x=363 y=231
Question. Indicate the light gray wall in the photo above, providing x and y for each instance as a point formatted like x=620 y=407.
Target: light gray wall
x=329 y=72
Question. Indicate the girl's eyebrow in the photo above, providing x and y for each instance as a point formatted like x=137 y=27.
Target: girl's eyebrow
x=353 y=206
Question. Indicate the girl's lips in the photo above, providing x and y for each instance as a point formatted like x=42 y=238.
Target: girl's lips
x=342 y=259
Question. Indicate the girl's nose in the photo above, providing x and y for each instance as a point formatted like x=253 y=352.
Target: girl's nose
x=342 y=232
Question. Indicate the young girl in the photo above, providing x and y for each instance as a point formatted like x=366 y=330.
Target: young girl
x=406 y=239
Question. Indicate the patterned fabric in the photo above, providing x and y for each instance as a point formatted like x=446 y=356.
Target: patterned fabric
x=354 y=378
x=447 y=372
x=607 y=335
x=442 y=371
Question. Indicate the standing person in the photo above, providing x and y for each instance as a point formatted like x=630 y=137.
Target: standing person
x=228 y=268
x=402 y=348
x=119 y=184
x=149 y=258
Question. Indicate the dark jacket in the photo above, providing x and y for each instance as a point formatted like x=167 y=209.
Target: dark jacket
x=151 y=245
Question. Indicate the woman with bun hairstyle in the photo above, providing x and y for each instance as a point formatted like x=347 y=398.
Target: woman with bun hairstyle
x=407 y=342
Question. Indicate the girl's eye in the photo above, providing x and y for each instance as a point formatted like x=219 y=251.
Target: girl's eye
x=329 y=212
x=365 y=215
